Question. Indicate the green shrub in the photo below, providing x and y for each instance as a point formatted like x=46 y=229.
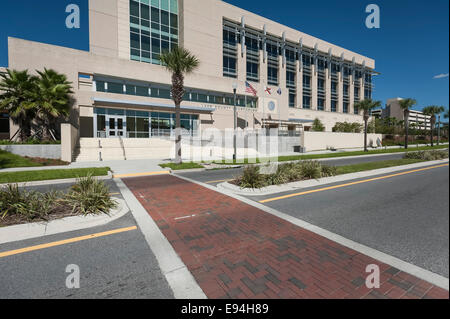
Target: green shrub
x=329 y=171
x=251 y=178
x=90 y=196
x=311 y=170
x=318 y=126
x=432 y=155
x=28 y=205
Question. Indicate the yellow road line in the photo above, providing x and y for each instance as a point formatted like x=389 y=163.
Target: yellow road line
x=349 y=184
x=141 y=174
x=65 y=242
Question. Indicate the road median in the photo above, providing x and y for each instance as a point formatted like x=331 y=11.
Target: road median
x=277 y=189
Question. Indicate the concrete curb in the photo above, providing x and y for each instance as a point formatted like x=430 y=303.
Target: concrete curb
x=178 y=276
x=34 y=230
x=57 y=181
x=414 y=270
x=323 y=181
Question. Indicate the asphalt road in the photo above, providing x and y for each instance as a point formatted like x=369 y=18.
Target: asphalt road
x=115 y=266
x=405 y=216
x=214 y=177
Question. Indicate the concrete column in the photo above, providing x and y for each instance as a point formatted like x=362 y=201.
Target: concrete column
x=69 y=140
x=328 y=89
x=299 y=82
x=314 y=77
x=351 y=95
x=340 y=90
x=361 y=89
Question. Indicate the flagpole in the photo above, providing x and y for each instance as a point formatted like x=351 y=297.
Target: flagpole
x=279 y=113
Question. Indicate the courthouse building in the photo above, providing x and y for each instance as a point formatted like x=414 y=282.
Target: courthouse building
x=120 y=88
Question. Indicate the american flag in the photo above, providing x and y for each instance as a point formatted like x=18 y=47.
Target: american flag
x=250 y=89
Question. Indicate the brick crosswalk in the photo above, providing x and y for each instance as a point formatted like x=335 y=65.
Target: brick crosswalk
x=237 y=251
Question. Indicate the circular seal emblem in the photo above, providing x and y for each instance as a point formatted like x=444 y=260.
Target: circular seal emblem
x=271 y=106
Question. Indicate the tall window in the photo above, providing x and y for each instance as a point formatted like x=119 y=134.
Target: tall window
x=333 y=106
x=153 y=29
x=345 y=110
x=306 y=102
x=229 y=52
x=320 y=84
x=334 y=86
x=306 y=81
x=252 y=44
x=292 y=97
x=272 y=65
x=321 y=104
x=290 y=78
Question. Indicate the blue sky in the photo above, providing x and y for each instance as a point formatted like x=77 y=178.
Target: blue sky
x=410 y=48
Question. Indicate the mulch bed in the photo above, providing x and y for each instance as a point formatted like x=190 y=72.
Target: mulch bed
x=47 y=161
x=59 y=211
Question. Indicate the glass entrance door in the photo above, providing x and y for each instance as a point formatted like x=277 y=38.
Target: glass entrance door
x=116 y=126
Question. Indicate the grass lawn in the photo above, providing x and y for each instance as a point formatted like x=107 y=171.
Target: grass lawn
x=9 y=160
x=374 y=165
x=342 y=154
x=43 y=175
x=177 y=167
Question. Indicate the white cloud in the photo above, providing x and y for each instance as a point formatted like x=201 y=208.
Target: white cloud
x=441 y=76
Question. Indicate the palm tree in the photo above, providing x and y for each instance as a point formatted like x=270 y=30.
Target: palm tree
x=16 y=89
x=367 y=106
x=179 y=62
x=406 y=105
x=432 y=111
x=52 y=99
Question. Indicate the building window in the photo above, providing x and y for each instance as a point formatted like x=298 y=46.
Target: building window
x=4 y=123
x=334 y=86
x=334 y=68
x=345 y=107
x=356 y=92
x=292 y=98
x=367 y=93
x=320 y=84
x=229 y=67
x=306 y=81
x=333 y=106
x=290 y=79
x=346 y=89
x=321 y=104
x=321 y=64
x=229 y=52
x=356 y=110
x=252 y=44
x=272 y=75
x=163 y=91
x=306 y=102
x=153 y=29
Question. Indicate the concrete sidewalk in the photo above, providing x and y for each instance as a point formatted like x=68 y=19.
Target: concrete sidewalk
x=235 y=250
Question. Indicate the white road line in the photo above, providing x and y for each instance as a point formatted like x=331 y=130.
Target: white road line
x=177 y=274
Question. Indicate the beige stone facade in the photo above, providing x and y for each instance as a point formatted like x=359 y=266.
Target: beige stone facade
x=200 y=29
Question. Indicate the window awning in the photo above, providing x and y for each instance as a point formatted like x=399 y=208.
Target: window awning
x=152 y=104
